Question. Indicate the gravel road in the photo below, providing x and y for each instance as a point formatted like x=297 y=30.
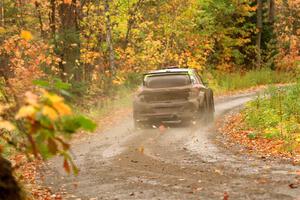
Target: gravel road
x=175 y=163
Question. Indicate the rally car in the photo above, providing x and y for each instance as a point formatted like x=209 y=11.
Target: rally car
x=172 y=95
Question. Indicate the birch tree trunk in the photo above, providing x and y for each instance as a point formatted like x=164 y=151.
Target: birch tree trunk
x=259 y=33
x=109 y=43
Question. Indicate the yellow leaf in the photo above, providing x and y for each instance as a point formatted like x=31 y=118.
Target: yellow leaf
x=2 y=30
x=25 y=111
x=53 y=98
x=116 y=82
x=141 y=149
x=49 y=112
x=7 y=125
x=26 y=35
x=2 y=108
x=62 y=108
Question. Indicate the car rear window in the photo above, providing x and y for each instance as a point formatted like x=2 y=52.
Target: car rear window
x=165 y=81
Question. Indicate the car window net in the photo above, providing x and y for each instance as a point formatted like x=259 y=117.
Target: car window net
x=165 y=81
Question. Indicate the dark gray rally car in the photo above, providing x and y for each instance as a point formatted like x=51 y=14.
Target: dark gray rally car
x=172 y=95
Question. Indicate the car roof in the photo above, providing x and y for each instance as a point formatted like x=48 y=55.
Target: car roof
x=171 y=70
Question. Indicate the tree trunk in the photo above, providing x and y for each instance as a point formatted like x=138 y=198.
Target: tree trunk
x=109 y=38
x=9 y=188
x=2 y=14
x=272 y=11
x=52 y=18
x=259 y=33
x=131 y=21
x=20 y=6
x=39 y=16
x=70 y=41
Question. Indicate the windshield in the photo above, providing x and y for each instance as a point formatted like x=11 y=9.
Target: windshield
x=165 y=81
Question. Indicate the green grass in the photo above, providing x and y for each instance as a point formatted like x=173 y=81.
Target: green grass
x=276 y=115
x=223 y=82
x=103 y=107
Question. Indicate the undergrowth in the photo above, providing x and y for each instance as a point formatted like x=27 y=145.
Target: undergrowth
x=103 y=106
x=276 y=115
x=225 y=82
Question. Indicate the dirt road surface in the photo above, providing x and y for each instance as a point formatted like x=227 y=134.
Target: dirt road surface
x=175 y=163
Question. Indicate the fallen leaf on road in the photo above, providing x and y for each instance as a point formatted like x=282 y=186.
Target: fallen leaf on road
x=141 y=149
x=219 y=171
x=162 y=128
x=226 y=196
x=293 y=185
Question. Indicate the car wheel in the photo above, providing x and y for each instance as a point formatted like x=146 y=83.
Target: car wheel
x=211 y=110
x=208 y=109
x=209 y=116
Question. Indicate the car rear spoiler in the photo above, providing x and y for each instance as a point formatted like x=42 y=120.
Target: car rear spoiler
x=162 y=74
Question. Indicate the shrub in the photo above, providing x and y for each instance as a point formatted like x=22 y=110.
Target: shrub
x=276 y=114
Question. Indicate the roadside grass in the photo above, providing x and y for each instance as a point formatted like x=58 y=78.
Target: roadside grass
x=123 y=99
x=108 y=106
x=228 y=82
x=276 y=116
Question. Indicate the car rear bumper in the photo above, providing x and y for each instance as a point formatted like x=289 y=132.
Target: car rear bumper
x=166 y=111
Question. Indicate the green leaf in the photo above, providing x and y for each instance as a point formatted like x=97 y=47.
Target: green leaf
x=69 y=124
x=42 y=135
x=45 y=121
x=41 y=83
x=58 y=84
x=252 y=136
x=86 y=123
x=65 y=93
x=43 y=149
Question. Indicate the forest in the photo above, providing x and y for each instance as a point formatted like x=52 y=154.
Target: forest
x=58 y=58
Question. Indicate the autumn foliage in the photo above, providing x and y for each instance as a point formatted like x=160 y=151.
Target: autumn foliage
x=93 y=48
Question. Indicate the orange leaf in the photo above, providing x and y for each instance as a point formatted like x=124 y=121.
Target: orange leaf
x=162 y=128
x=50 y=112
x=67 y=166
x=7 y=125
x=68 y=2
x=26 y=35
x=62 y=108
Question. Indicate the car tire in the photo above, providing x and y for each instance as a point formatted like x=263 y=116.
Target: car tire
x=211 y=109
x=208 y=108
x=209 y=116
